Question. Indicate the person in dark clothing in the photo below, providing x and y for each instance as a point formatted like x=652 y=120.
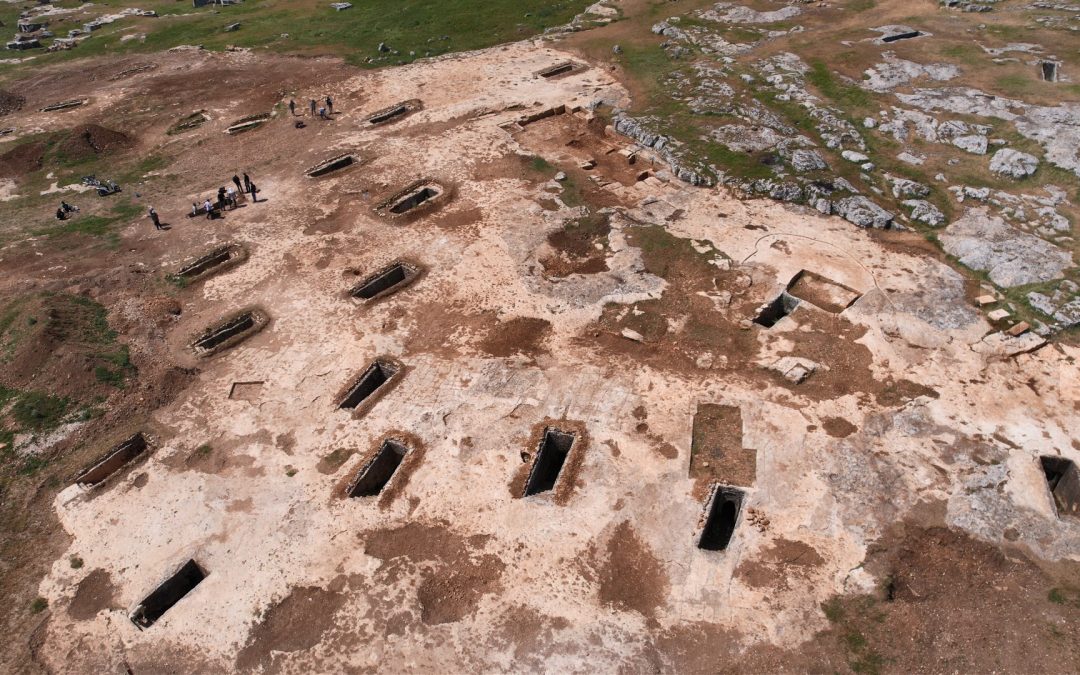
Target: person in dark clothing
x=236 y=179
x=60 y=214
x=247 y=183
x=292 y=107
x=154 y=218
x=68 y=208
x=329 y=105
x=312 y=106
x=254 y=193
x=221 y=198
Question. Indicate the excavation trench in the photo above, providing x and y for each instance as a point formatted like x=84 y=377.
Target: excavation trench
x=386 y=281
x=210 y=263
x=229 y=332
x=165 y=596
x=331 y=165
x=64 y=105
x=375 y=379
x=373 y=476
x=771 y=313
x=723 y=516
x=822 y=292
x=394 y=113
x=415 y=198
x=1063 y=481
x=555 y=446
x=560 y=69
x=116 y=459
x=247 y=123
x=901 y=36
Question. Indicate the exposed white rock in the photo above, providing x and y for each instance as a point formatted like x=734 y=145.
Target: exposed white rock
x=852 y=156
x=925 y=212
x=896 y=72
x=1010 y=257
x=1013 y=163
x=975 y=144
x=863 y=212
x=807 y=160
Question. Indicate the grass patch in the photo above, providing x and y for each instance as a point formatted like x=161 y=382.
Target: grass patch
x=848 y=96
x=38 y=605
x=39 y=411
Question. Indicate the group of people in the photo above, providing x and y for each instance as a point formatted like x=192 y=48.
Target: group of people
x=324 y=112
x=227 y=198
x=64 y=209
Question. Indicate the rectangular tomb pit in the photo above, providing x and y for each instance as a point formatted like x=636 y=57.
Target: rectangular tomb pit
x=372 y=384
x=418 y=195
x=170 y=592
x=555 y=445
x=770 y=314
x=230 y=332
x=386 y=281
x=331 y=165
x=247 y=123
x=395 y=113
x=1063 y=481
x=217 y=260
x=375 y=474
x=821 y=292
x=723 y=510
x=115 y=460
x=563 y=69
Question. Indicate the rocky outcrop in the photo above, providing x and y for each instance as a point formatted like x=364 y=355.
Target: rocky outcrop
x=632 y=128
x=1013 y=163
x=863 y=212
x=925 y=212
x=1010 y=257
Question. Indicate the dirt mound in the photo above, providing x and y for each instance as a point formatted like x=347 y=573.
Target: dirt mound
x=10 y=102
x=94 y=593
x=22 y=160
x=521 y=335
x=91 y=140
x=580 y=247
x=631 y=578
x=295 y=624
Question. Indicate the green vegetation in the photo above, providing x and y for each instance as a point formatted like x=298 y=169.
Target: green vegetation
x=38 y=605
x=76 y=562
x=853 y=620
x=848 y=96
x=1056 y=596
x=412 y=29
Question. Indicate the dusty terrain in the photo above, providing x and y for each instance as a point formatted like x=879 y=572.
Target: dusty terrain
x=885 y=435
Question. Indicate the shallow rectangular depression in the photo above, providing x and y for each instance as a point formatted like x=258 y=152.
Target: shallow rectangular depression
x=375 y=377
x=551 y=454
x=373 y=476
x=822 y=292
x=170 y=592
x=208 y=262
x=331 y=165
x=724 y=509
x=215 y=337
x=564 y=68
x=1063 y=481
x=115 y=460
x=389 y=114
x=415 y=198
x=389 y=279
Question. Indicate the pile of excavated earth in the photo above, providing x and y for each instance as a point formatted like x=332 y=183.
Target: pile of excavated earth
x=490 y=379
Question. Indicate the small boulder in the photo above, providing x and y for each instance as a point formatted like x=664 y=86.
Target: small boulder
x=925 y=212
x=1013 y=163
x=975 y=144
x=805 y=161
x=863 y=212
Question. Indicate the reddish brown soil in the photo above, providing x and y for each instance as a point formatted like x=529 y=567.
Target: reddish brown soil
x=296 y=623
x=705 y=333
x=10 y=102
x=91 y=140
x=838 y=427
x=93 y=594
x=520 y=335
x=631 y=578
x=450 y=589
x=784 y=563
x=580 y=247
x=717 y=452
x=23 y=159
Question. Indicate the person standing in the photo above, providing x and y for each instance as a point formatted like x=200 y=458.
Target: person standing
x=236 y=179
x=154 y=218
x=329 y=105
x=209 y=207
x=254 y=193
x=292 y=107
x=247 y=183
x=312 y=107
